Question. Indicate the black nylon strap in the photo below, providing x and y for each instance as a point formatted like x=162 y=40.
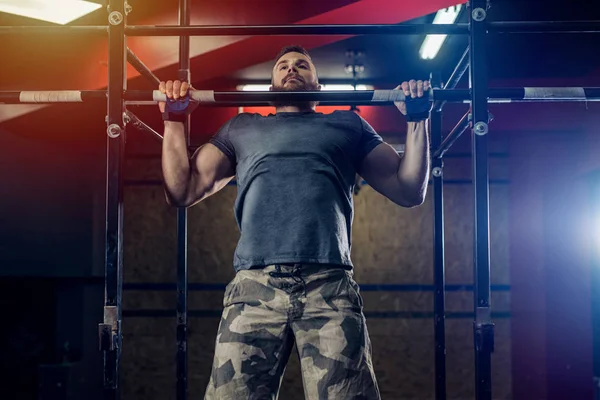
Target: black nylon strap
x=418 y=108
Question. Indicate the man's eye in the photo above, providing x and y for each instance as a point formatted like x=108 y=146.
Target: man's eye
x=302 y=66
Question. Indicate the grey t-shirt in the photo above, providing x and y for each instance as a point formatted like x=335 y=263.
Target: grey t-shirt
x=295 y=175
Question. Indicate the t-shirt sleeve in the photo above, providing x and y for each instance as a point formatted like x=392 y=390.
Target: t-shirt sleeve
x=223 y=141
x=369 y=139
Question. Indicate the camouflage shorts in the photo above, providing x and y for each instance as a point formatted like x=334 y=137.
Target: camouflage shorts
x=267 y=310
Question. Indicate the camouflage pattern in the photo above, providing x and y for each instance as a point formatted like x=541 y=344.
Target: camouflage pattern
x=266 y=310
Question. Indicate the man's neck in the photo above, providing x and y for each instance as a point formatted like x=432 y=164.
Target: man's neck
x=294 y=109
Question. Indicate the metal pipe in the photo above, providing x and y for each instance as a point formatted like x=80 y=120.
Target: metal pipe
x=594 y=207
x=459 y=71
x=113 y=275
x=452 y=137
x=387 y=97
x=483 y=328
x=250 y=30
x=256 y=30
x=369 y=287
x=359 y=97
x=182 y=222
x=142 y=68
x=373 y=29
x=455 y=77
x=439 y=300
x=142 y=126
x=51 y=30
x=544 y=27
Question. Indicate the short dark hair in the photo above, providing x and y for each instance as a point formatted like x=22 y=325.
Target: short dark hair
x=293 y=49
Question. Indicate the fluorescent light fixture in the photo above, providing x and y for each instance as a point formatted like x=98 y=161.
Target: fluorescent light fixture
x=433 y=43
x=56 y=11
x=254 y=88
x=345 y=87
x=265 y=88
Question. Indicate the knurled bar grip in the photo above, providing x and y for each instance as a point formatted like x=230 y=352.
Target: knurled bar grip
x=202 y=96
x=50 y=96
x=392 y=95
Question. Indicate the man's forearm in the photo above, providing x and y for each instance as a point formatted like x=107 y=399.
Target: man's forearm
x=413 y=172
x=175 y=162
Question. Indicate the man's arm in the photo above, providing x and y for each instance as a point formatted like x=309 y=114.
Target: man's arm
x=190 y=180
x=403 y=180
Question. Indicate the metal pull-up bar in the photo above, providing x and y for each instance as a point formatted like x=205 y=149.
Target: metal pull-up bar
x=358 y=97
x=321 y=30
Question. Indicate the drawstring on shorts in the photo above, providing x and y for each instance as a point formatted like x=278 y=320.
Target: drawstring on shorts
x=295 y=274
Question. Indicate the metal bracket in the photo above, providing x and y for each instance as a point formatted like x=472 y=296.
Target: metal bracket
x=105 y=337
x=484 y=338
x=484 y=330
x=108 y=330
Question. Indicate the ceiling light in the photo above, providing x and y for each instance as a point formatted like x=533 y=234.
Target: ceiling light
x=56 y=11
x=433 y=43
x=345 y=87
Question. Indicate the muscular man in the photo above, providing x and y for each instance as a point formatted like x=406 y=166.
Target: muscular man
x=295 y=172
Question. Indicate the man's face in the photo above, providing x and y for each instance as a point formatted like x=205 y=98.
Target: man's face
x=294 y=71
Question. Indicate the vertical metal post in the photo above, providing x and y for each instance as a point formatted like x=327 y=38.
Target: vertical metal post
x=439 y=306
x=110 y=330
x=182 y=261
x=594 y=186
x=483 y=328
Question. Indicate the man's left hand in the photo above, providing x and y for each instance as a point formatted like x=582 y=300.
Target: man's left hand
x=414 y=90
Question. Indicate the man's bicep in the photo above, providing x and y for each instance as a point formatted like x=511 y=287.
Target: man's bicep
x=379 y=169
x=211 y=170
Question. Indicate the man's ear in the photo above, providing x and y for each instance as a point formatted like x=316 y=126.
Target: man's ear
x=270 y=88
x=319 y=87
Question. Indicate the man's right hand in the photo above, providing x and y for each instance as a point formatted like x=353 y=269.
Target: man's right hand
x=174 y=90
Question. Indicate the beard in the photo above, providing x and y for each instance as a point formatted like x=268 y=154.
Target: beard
x=299 y=86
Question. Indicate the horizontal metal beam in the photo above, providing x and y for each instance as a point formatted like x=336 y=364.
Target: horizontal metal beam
x=336 y=29
x=373 y=287
x=58 y=29
x=543 y=27
x=358 y=97
x=196 y=313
